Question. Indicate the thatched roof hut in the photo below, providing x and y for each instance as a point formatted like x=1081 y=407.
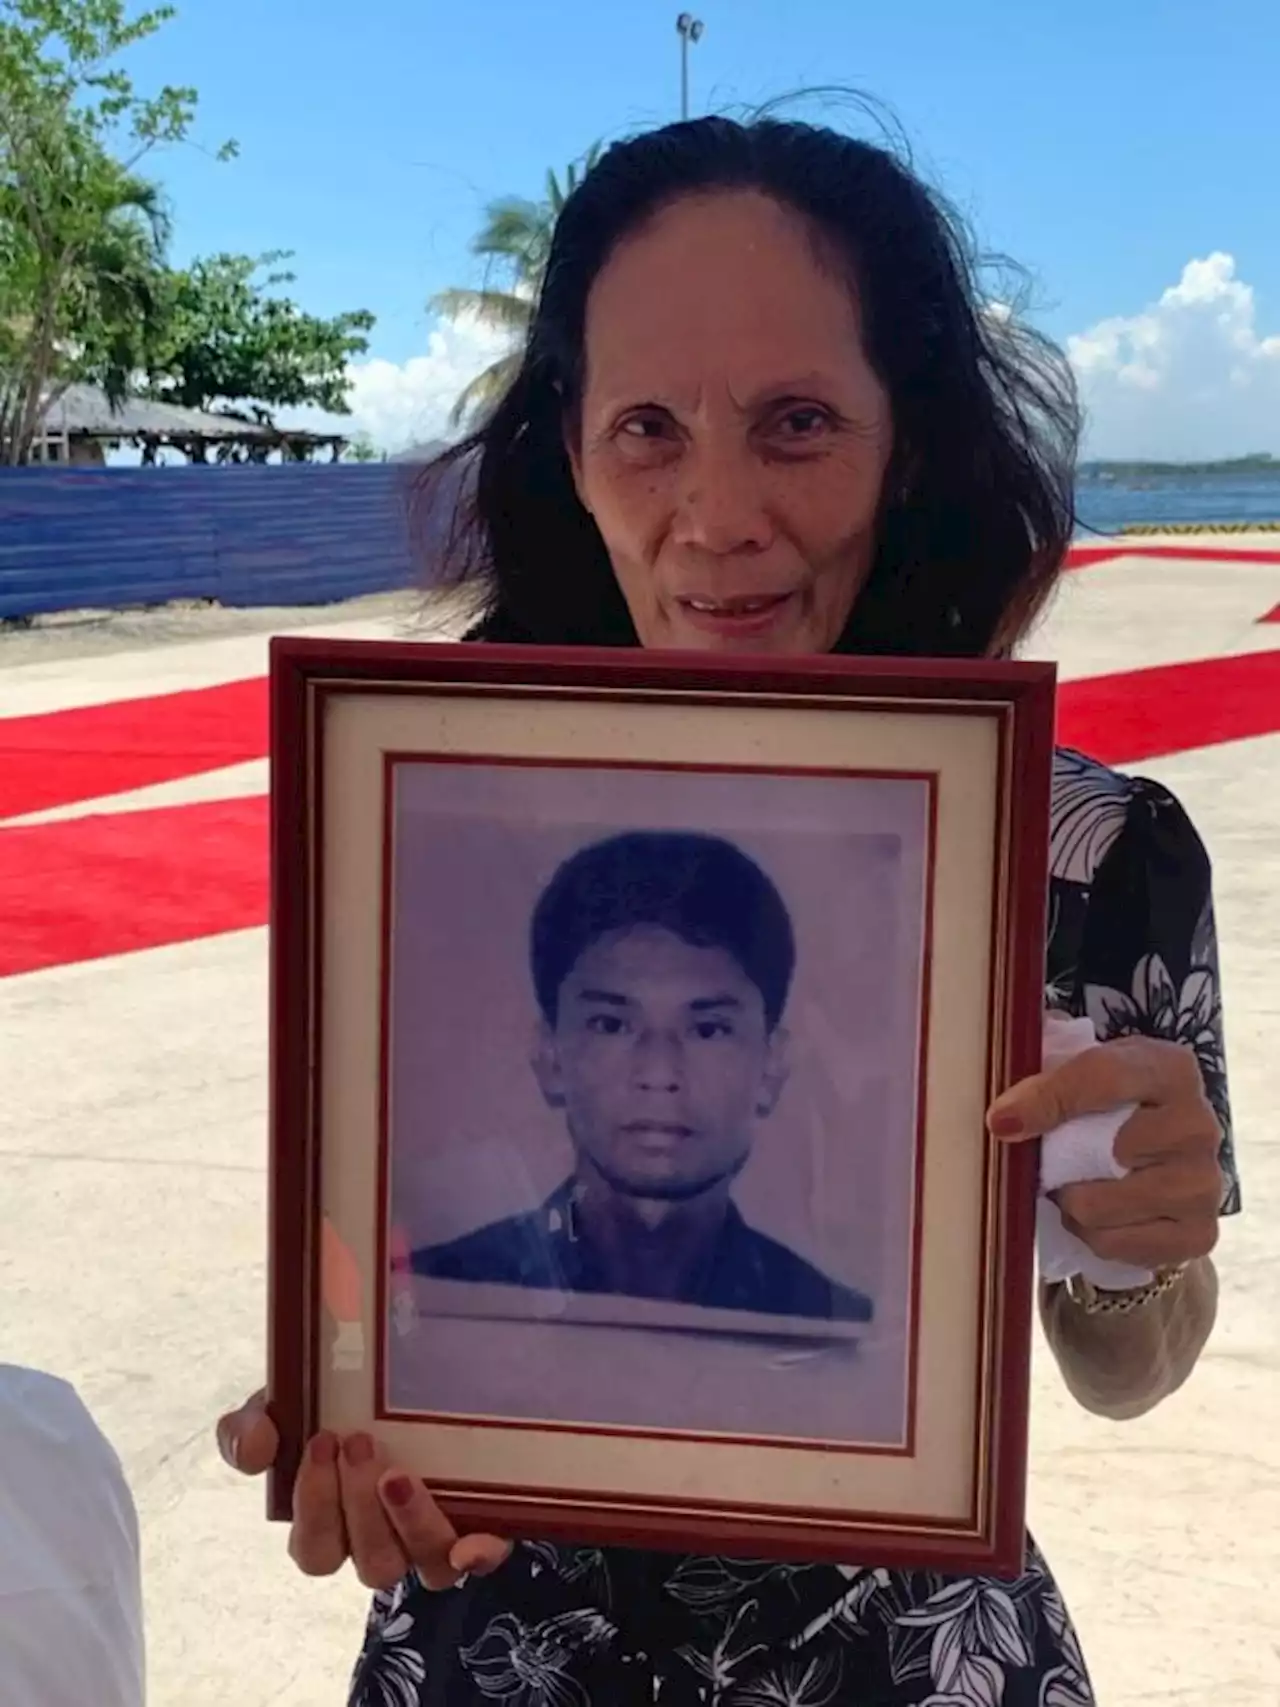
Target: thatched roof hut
x=81 y=425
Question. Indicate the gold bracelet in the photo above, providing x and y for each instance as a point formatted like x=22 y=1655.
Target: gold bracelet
x=1094 y=1301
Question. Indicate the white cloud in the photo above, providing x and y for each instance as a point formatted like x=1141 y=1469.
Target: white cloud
x=1191 y=376
x=402 y=403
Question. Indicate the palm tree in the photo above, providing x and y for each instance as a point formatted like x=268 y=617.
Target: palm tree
x=117 y=290
x=79 y=270
x=516 y=236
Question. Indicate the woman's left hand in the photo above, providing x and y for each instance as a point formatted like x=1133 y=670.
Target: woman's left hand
x=1165 y=1210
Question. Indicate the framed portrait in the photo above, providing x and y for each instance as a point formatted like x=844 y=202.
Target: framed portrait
x=634 y=1020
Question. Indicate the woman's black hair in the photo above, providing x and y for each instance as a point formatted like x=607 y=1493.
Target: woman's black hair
x=977 y=508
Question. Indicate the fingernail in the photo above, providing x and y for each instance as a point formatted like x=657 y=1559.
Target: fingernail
x=324 y=1449
x=357 y=1449
x=397 y=1490
x=1005 y=1124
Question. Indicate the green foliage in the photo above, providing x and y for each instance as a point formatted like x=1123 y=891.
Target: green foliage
x=363 y=449
x=110 y=303
x=225 y=337
x=515 y=237
x=82 y=232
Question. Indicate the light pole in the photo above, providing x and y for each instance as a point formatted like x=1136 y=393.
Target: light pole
x=689 y=29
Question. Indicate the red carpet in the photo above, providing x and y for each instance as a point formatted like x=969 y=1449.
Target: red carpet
x=1085 y=556
x=1175 y=708
x=116 y=882
x=67 y=756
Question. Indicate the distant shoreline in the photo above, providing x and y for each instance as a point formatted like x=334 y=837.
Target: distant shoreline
x=1119 y=473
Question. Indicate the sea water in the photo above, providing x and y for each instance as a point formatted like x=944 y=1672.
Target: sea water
x=1105 y=506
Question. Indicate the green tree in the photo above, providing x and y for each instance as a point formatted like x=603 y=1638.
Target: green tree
x=88 y=319
x=81 y=231
x=113 y=294
x=226 y=338
x=516 y=238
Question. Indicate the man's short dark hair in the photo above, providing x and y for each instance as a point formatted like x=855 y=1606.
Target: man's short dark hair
x=701 y=888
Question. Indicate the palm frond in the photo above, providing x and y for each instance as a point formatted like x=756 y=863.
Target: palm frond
x=575 y=172
x=138 y=196
x=518 y=232
x=486 y=390
x=503 y=310
x=509 y=228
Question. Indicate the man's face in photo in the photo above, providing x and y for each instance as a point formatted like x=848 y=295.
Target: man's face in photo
x=662 y=1060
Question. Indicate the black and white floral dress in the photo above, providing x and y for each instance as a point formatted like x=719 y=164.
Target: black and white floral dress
x=1132 y=946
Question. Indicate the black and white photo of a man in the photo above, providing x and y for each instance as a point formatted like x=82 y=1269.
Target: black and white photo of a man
x=661 y=963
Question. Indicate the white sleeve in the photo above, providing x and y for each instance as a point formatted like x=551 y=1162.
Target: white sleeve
x=70 y=1582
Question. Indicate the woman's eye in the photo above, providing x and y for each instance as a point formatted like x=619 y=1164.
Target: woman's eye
x=644 y=427
x=804 y=422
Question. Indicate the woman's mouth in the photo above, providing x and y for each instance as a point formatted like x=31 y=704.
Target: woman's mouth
x=745 y=615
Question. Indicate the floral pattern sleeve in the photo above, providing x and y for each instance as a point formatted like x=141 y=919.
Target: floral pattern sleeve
x=1134 y=946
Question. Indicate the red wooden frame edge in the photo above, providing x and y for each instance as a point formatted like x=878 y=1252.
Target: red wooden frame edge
x=298 y=664
x=290 y=1146
x=1028 y=776
x=595 y=667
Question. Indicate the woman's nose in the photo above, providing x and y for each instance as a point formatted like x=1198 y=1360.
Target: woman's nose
x=721 y=507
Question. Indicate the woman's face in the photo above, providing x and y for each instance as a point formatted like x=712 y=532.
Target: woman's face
x=733 y=438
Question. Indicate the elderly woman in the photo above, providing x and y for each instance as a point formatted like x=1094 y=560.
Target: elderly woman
x=761 y=409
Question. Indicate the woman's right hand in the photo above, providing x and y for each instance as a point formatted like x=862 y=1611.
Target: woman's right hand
x=350 y=1501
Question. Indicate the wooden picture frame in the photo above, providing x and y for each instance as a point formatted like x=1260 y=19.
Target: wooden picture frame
x=438 y=1279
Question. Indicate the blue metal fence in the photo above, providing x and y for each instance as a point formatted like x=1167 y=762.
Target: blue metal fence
x=243 y=534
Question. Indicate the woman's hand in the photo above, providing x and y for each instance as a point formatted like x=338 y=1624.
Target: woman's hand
x=349 y=1501
x=1165 y=1210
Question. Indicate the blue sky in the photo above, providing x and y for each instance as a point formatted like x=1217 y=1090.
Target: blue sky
x=1109 y=147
